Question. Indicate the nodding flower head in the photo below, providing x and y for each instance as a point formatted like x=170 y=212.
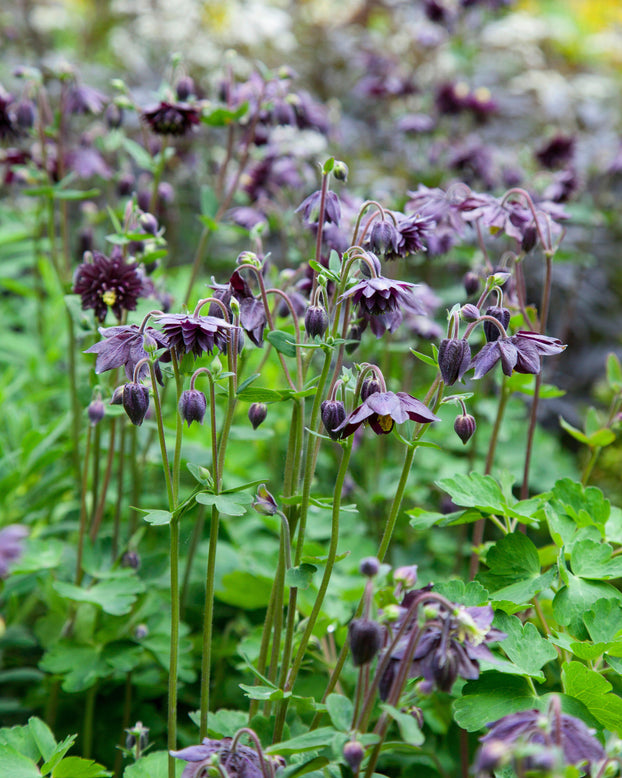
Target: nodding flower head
x=125 y=346
x=309 y=208
x=135 y=400
x=382 y=410
x=192 y=406
x=187 y=333
x=171 y=118
x=243 y=762
x=454 y=359
x=381 y=300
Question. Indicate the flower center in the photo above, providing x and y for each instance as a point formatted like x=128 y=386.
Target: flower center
x=109 y=297
x=385 y=423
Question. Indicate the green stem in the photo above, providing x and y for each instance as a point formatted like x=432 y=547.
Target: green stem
x=208 y=618
x=174 y=644
x=89 y=717
x=319 y=600
x=83 y=510
x=101 y=505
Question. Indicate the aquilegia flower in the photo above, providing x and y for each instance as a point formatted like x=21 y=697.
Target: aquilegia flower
x=171 y=118
x=516 y=737
x=124 y=346
x=522 y=353
x=108 y=283
x=382 y=410
x=244 y=762
x=11 y=546
x=197 y=334
x=379 y=296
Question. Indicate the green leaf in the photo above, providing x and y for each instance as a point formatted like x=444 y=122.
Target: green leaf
x=604 y=620
x=573 y=431
x=76 y=767
x=153 y=765
x=601 y=438
x=300 y=577
x=209 y=201
x=485 y=494
x=142 y=157
x=309 y=741
x=115 y=596
x=158 y=518
x=81 y=666
x=222 y=723
x=226 y=504
x=590 y=559
x=244 y=589
x=524 y=645
x=340 y=710
x=43 y=737
x=258 y=394
x=221 y=117
x=16 y=765
x=594 y=691
x=577 y=597
x=472 y=593
x=284 y=342
x=22 y=740
x=424 y=358
x=263 y=692
x=491 y=697
x=409 y=730
x=585 y=505
x=614 y=372
x=514 y=570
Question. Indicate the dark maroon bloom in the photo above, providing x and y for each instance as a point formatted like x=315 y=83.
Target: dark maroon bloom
x=454 y=359
x=451 y=98
x=564 y=185
x=560 y=735
x=316 y=321
x=502 y=349
x=556 y=152
x=369 y=386
x=244 y=762
x=414 y=230
x=480 y=101
x=530 y=347
x=11 y=546
x=83 y=99
x=171 y=118
x=473 y=161
x=135 y=402
x=310 y=207
x=124 y=346
x=185 y=87
x=509 y=217
x=192 y=406
x=252 y=312
x=382 y=410
x=108 y=283
x=85 y=161
x=365 y=638
x=195 y=334
x=384 y=239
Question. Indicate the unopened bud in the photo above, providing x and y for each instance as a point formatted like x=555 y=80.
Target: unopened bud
x=135 y=402
x=470 y=312
x=333 y=413
x=464 y=427
x=369 y=566
x=454 y=358
x=316 y=321
x=502 y=315
x=185 y=88
x=192 y=406
x=117 y=396
x=365 y=637
x=353 y=753
x=370 y=386
x=406 y=575
x=471 y=282
x=130 y=559
x=149 y=223
x=257 y=414
x=96 y=411
x=340 y=170
x=264 y=502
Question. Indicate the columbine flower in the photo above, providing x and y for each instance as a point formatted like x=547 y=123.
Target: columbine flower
x=309 y=208
x=108 y=283
x=382 y=410
x=450 y=645
x=124 y=345
x=252 y=312
x=382 y=297
x=522 y=353
x=135 y=401
x=171 y=118
x=556 y=152
x=11 y=546
x=197 y=334
x=83 y=99
x=454 y=359
x=559 y=735
x=244 y=762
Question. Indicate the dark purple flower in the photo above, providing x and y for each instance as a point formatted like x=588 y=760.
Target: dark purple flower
x=451 y=98
x=384 y=239
x=85 y=162
x=502 y=315
x=316 y=321
x=481 y=102
x=124 y=346
x=171 y=118
x=509 y=217
x=365 y=638
x=454 y=359
x=252 y=312
x=257 y=413
x=333 y=413
x=382 y=410
x=378 y=295
x=556 y=152
x=135 y=401
x=564 y=185
x=559 y=735
x=8 y=128
x=310 y=206
x=192 y=406
x=530 y=347
x=473 y=161
x=244 y=762
x=108 y=283
x=197 y=334
x=11 y=546
x=464 y=427
x=83 y=99
x=502 y=349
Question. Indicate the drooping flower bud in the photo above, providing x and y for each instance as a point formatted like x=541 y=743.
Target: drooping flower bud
x=117 y=396
x=470 y=312
x=471 y=282
x=192 y=406
x=316 y=321
x=369 y=566
x=257 y=414
x=264 y=502
x=184 y=88
x=353 y=753
x=149 y=223
x=135 y=402
x=502 y=315
x=340 y=170
x=25 y=114
x=406 y=575
x=365 y=637
x=130 y=559
x=464 y=427
x=96 y=411
x=454 y=358
x=333 y=413
x=369 y=386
